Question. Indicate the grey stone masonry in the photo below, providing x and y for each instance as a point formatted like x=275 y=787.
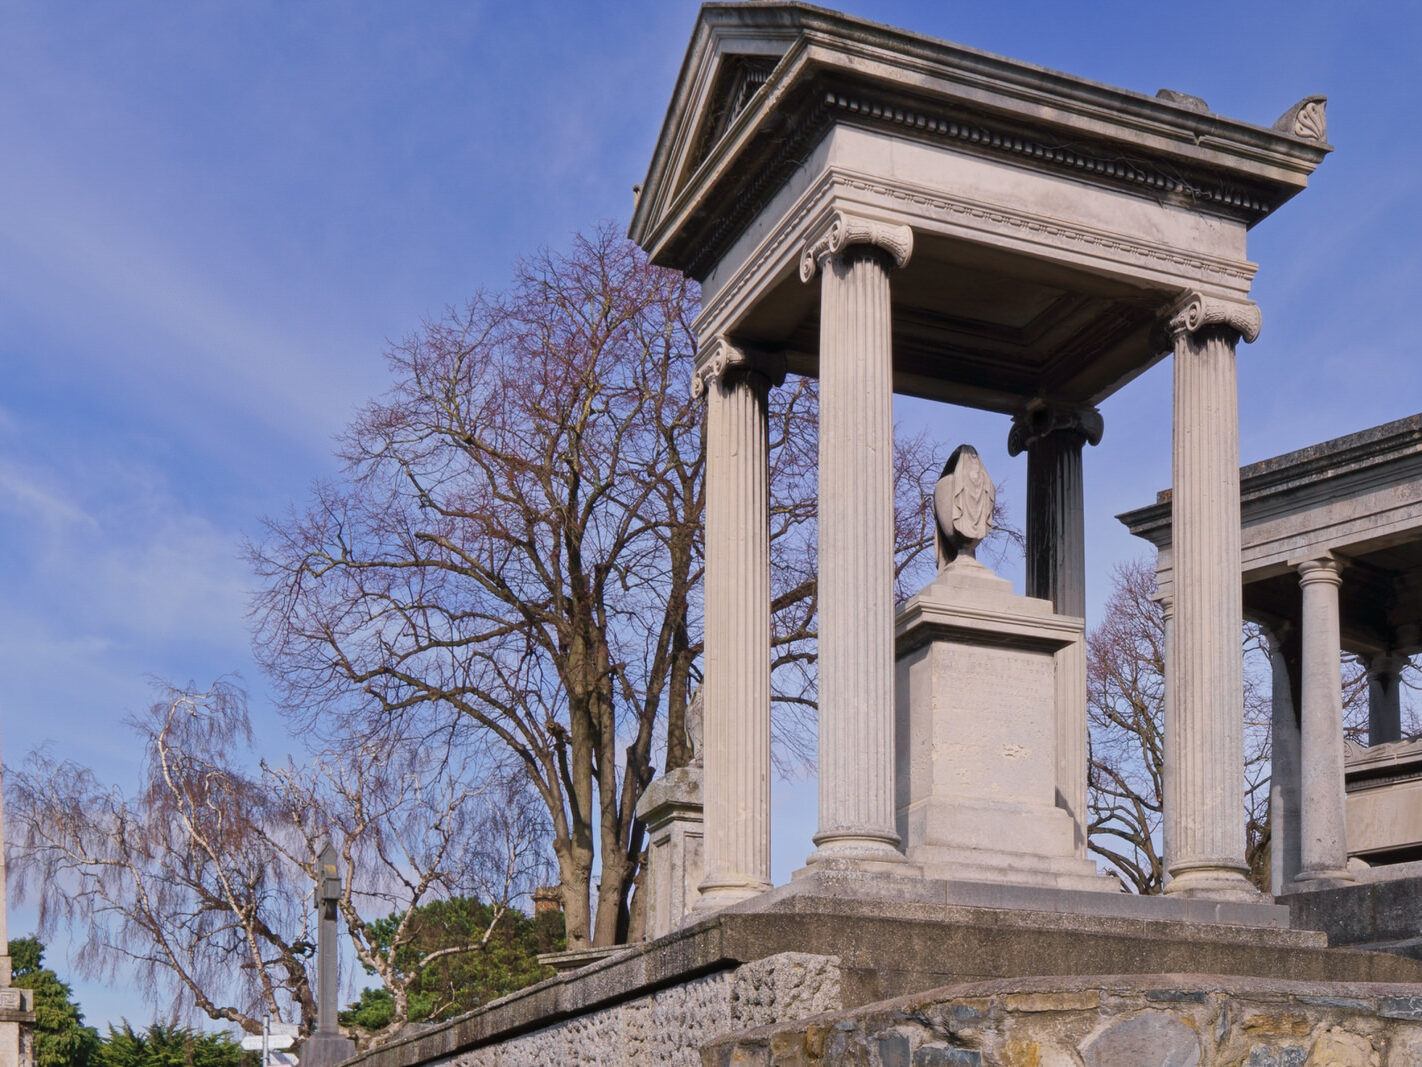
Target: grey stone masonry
x=908 y=935
x=1112 y=1021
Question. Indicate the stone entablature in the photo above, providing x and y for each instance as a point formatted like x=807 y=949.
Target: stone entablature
x=841 y=114
x=1354 y=494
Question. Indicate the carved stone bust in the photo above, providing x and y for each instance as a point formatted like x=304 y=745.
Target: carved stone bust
x=963 y=504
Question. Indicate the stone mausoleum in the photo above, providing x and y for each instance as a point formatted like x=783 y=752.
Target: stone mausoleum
x=890 y=213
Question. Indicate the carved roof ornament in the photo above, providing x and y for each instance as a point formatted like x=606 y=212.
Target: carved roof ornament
x=1042 y=419
x=722 y=359
x=1195 y=311
x=846 y=230
x=1185 y=100
x=1307 y=119
x=963 y=502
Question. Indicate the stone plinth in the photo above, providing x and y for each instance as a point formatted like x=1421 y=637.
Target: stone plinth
x=976 y=741
x=671 y=808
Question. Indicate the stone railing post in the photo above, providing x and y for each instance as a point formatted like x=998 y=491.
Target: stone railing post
x=856 y=540
x=1056 y=570
x=1323 y=835
x=736 y=714
x=1206 y=673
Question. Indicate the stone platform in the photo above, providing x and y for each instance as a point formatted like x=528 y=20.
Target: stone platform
x=821 y=946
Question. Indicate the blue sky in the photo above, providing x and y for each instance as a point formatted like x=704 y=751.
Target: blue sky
x=213 y=217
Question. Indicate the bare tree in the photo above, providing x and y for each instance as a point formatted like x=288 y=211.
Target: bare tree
x=515 y=550
x=200 y=884
x=1126 y=708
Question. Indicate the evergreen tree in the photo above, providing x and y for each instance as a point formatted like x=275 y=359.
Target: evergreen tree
x=460 y=954
x=61 y=1038
x=168 y=1045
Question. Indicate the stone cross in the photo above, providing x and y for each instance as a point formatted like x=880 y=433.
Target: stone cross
x=326 y=1046
x=329 y=892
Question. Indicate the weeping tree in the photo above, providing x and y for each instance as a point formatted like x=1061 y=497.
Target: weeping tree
x=197 y=886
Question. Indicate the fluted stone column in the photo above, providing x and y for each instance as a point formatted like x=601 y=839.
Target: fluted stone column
x=856 y=540
x=1323 y=837
x=1284 y=759
x=1206 y=674
x=736 y=693
x=1056 y=570
x=1385 y=697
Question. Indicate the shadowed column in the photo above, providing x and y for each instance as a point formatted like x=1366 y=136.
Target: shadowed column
x=1056 y=570
x=1206 y=673
x=1284 y=765
x=856 y=540
x=1385 y=697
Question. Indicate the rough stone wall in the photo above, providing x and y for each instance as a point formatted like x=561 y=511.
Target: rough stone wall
x=1184 y=1021
x=670 y=1025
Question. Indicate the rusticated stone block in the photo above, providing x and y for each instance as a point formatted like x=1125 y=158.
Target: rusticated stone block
x=1154 y=1037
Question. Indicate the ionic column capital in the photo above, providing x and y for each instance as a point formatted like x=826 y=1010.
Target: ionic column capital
x=846 y=230
x=1041 y=420
x=1324 y=569
x=1194 y=312
x=723 y=360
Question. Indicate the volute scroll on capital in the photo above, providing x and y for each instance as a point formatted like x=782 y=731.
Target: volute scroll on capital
x=1040 y=420
x=723 y=360
x=845 y=230
x=1195 y=311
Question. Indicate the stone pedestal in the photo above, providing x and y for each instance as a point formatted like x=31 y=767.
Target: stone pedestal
x=976 y=740
x=17 y=1022
x=671 y=809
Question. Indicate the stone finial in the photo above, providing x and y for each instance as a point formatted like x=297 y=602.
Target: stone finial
x=1041 y=420
x=963 y=504
x=1307 y=119
x=722 y=358
x=1194 y=311
x=845 y=230
x=694 y=726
